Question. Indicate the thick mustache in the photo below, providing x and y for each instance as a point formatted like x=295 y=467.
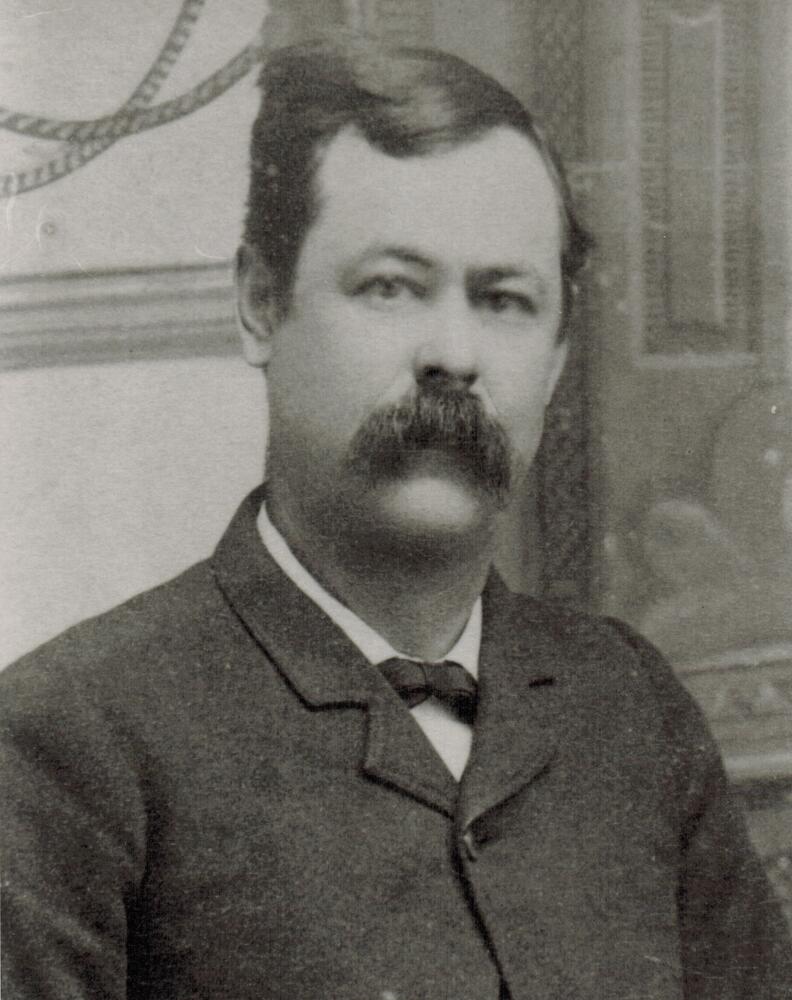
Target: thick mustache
x=450 y=420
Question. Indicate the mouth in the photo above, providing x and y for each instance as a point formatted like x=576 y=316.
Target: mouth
x=437 y=436
x=435 y=462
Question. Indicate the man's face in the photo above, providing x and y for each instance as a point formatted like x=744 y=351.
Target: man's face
x=432 y=278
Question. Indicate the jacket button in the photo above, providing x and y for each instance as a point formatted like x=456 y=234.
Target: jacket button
x=471 y=847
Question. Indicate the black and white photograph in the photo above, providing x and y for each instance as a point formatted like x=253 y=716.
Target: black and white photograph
x=396 y=499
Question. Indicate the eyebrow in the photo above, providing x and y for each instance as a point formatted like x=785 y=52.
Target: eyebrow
x=403 y=253
x=481 y=277
x=493 y=275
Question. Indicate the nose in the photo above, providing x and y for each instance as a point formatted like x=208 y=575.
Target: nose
x=448 y=350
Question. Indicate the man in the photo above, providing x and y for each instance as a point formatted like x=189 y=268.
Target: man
x=260 y=780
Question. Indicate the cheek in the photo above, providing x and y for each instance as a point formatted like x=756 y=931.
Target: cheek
x=524 y=424
x=310 y=402
x=522 y=391
x=331 y=344
x=308 y=372
x=319 y=394
x=528 y=424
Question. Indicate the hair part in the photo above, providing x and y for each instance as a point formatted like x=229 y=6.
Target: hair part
x=405 y=102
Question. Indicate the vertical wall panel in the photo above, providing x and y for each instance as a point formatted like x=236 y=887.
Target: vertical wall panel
x=697 y=144
x=563 y=462
x=693 y=171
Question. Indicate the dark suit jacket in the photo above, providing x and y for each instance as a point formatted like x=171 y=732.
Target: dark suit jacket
x=210 y=793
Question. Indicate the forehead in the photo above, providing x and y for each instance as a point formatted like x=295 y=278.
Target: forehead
x=489 y=202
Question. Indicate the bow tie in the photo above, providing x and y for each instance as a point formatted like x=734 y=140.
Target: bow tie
x=449 y=682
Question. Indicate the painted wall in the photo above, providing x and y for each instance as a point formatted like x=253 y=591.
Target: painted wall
x=173 y=194
x=118 y=476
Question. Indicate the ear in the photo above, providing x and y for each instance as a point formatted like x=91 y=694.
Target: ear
x=257 y=314
x=560 y=351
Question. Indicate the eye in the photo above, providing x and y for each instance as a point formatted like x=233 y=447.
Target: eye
x=507 y=303
x=385 y=290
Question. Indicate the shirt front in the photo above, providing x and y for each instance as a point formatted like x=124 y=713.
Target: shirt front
x=449 y=736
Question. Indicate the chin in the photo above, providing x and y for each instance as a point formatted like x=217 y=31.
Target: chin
x=434 y=508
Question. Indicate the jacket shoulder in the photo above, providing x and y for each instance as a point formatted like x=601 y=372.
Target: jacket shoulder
x=568 y=624
x=161 y=629
x=619 y=657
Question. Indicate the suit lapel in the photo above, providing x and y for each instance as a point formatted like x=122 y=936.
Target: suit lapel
x=322 y=666
x=399 y=754
x=522 y=697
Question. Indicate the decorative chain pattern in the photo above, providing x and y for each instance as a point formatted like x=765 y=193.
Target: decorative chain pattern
x=87 y=139
x=126 y=122
x=145 y=92
x=179 y=35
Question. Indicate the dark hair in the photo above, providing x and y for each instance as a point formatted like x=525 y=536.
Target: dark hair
x=405 y=101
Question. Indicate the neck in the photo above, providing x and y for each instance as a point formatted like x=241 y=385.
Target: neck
x=416 y=592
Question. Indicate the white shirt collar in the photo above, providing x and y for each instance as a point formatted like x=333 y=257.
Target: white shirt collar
x=370 y=643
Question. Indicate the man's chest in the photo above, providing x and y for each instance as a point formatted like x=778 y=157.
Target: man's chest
x=281 y=847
